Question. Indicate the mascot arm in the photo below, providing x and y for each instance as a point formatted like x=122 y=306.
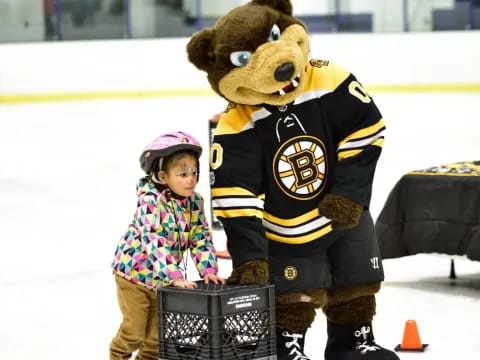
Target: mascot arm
x=359 y=132
x=237 y=166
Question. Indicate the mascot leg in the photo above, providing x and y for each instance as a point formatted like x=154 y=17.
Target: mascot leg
x=349 y=312
x=295 y=313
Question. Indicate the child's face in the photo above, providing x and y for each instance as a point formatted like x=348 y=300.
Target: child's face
x=181 y=177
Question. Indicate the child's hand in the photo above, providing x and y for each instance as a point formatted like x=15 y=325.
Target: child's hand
x=182 y=283
x=213 y=278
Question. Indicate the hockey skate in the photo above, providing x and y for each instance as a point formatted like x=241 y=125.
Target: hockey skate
x=290 y=345
x=354 y=342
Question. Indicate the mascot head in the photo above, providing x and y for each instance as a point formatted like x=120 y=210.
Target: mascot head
x=255 y=54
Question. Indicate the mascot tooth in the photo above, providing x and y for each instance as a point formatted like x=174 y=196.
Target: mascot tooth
x=306 y=135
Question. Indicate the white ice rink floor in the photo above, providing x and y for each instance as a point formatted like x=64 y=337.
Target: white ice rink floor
x=67 y=193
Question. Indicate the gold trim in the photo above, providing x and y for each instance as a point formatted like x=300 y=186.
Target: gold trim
x=302 y=219
x=238 y=213
x=231 y=191
x=439 y=174
x=300 y=239
x=348 y=154
x=345 y=154
x=368 y=131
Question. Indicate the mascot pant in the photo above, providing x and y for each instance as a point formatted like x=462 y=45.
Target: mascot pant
x=340 y=273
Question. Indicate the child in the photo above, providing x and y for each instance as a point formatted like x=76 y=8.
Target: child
x=169 y=220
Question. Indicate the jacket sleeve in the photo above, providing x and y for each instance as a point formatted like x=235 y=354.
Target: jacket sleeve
x=358 y=131
x=201 y=245
x=149 y=221
x=236 y=162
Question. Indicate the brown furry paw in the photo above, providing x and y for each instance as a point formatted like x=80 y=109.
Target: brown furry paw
x=250 y=272
x=343 y=212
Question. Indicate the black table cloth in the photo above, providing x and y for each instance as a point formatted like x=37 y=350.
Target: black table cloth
x=435 y=210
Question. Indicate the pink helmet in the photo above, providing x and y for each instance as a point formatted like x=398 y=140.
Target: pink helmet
x=165 y=145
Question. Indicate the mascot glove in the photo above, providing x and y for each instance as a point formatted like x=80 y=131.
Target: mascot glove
x=250 y=272
x=344 y=212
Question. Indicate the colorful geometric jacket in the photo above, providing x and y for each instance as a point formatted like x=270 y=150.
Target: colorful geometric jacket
x=163 y=228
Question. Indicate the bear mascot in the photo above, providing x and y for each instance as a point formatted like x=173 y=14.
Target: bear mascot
x=292 y=165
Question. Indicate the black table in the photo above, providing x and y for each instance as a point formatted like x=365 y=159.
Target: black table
x=435 y=210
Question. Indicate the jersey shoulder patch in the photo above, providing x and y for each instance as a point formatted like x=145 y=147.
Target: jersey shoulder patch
x=324 y=75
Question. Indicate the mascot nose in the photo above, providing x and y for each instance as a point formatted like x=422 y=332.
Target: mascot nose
x=284 y=72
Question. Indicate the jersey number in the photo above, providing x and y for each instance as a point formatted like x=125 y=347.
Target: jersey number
x=357 y=90
x=216 y=156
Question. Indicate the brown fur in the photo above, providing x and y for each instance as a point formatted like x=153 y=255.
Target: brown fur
x=255 y=83
x=346 y=294
x=250 y=272
x=318 y=296
x=295 y=317
x=357 y=311
x=343 y=211
x=282 y=6
x=247 y=28
x=200 y=51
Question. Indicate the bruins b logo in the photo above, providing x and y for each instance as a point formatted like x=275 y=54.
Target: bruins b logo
x=300 y=167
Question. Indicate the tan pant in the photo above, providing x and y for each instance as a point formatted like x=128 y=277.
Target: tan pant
x=138 y=330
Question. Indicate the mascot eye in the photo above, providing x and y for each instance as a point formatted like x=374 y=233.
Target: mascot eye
x=274 y=33
x=240 y=58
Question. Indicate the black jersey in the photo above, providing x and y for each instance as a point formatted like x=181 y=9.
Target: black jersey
x=326 y=141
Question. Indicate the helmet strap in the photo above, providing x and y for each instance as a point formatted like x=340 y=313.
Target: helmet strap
x=154 y=178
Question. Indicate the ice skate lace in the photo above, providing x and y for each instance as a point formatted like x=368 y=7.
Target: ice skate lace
x=294 y=346
x=364 y=347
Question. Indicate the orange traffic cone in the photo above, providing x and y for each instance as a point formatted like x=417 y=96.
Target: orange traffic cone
x=411 y=338
x=223 y=254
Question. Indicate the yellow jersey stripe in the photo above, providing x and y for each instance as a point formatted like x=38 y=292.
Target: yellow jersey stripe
x=231 y=191
x=233 y=213
x=368 y=131
x=236 y=119
x=300 y=239
x=378 y=143
x=347 y=154
x=294 y=221
x=351 y=153
x=342 y=155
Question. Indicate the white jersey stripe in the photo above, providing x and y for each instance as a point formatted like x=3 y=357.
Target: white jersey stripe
x=310 y=95
x=304 y=97
x=316 y=224
x=237 y=202
x=360 y=143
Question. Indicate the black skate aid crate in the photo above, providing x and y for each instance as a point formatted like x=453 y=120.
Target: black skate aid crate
x=217 y=322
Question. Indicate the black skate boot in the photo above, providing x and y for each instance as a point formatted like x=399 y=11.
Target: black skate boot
x=354 y=342
x=290 y=345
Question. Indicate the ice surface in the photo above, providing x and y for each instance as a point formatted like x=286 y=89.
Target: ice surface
x=67 y=193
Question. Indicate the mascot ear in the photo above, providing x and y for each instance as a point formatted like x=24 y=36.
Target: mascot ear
x=200 y=51
x=284 y=6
